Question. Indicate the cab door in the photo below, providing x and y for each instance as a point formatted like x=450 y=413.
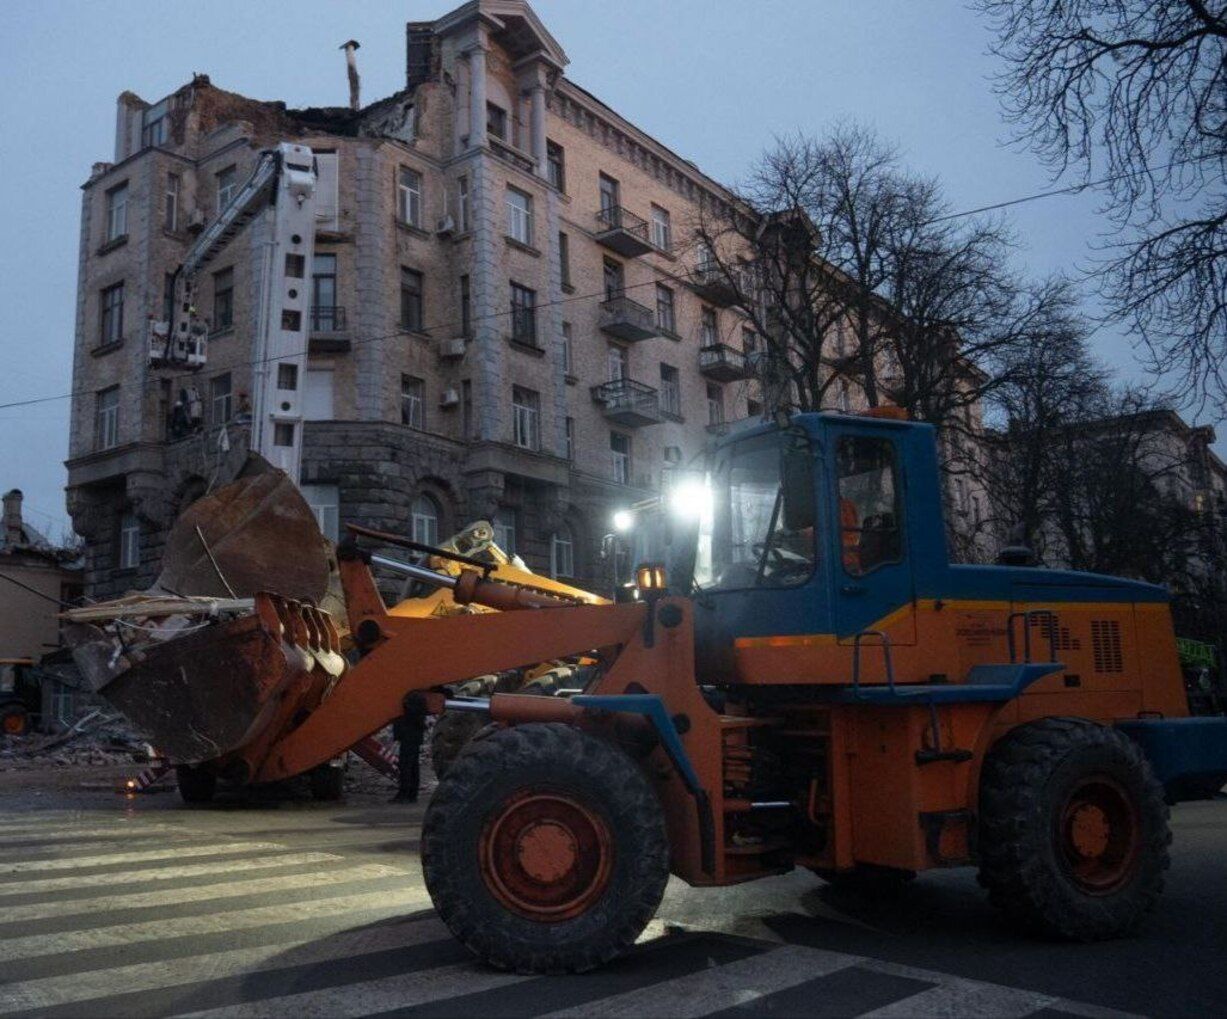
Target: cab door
x=872 y=575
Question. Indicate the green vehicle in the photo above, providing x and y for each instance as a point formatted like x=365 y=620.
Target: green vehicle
x=1202 y=677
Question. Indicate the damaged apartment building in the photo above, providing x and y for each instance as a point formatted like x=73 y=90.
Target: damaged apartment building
x=508 y=320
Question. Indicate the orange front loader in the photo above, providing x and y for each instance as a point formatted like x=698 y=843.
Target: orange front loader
x=807 y=681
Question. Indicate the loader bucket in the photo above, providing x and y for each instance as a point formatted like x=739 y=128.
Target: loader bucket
x=210 y=693
x=258 y=533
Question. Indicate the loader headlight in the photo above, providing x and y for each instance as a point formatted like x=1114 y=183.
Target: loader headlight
x=691 y=499
x=623 y=520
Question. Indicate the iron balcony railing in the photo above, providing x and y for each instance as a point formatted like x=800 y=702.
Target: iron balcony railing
x=628 y=402
x=723 y=363
x=328 y=318
x=627 y=319
x=621 y=230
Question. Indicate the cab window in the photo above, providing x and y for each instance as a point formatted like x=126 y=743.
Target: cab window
x=870 y=510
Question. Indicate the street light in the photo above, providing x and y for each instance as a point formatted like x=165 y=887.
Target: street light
x=623 y=520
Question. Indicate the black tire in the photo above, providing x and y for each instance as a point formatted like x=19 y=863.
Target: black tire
x=14 y=720
x=512 y=770
x=196 y=784
x=1073 y=831
x=452 y=732
x=327 y=783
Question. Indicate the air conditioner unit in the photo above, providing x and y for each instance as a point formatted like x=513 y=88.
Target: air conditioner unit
x=446 y=225
x=449 y=398
x=196 y=221
x=673 y=454
x=452 y=349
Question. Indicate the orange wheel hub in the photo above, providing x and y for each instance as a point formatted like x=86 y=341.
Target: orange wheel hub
x=1099 y=835
x=14 y=723
x=546 y=856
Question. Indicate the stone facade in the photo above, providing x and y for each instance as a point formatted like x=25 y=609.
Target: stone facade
x=553 y=484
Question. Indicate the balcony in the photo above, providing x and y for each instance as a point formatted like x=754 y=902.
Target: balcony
x=722 y=363
x=714 y=285
x=329 y=330
x=622 y=231
x=628 y=320
x=629 y=403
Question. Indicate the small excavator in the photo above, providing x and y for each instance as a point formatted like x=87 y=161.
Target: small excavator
x=805 y=680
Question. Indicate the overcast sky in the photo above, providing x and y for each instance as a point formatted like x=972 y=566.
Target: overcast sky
x=715 y=80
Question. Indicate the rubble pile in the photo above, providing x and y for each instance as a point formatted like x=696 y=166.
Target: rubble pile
x=95 y=740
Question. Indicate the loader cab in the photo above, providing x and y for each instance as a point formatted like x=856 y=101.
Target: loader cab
x=814 y=531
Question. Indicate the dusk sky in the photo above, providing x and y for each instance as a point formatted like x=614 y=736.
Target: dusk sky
x=715 y=80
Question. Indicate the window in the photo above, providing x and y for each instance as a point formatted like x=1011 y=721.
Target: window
x=749 y=340
x=466 y=308
x=570 y=433
x=845 y=396
x=424 y=520
x=754 y=409
x=129 y=541
x=223 y=299
x=496 y=122
x=709 y=332
x=287 y=377
x=526 y=417
x=870 y=516
x=618 y=360
x=227 y=184
x=564 y=259
x=666 y=320
x=283 y=434
x=707 y=258
x=153 y=126
x=462 y=205
x=112 y=317
x=219 y=399
x=410 y=300
x=556 y=165
x=117 y=213
x=519 y=216
x=568 y=350
x=715 y=404
x=662 y=232
x=620 y=457
x=505 y=530
x=409 y=196
x=170 y=211
x=609 y=197
x=562 y=553
x=106 y=418
x=412 y=401
x=670 y=390
x=168 y=296
x=523 y=315
x=325 y=503
x=324 y=311
x=743 y=542
x=466 y=409
x=615 y=279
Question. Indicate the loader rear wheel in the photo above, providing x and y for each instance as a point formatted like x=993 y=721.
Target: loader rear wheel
x=196 y=784
x=1073 y=829
x=544 y=850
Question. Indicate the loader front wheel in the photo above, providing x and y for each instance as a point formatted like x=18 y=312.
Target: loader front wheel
x=544 y=850
x=196 y=784
x=1073 y=829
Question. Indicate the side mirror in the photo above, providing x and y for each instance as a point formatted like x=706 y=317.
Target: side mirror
x=797 y=479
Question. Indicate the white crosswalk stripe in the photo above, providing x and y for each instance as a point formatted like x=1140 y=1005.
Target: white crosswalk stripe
x=139 y=856
x=146 y=976
x=394 y=901
x=735 y=983
x=142 y=877
x=213 y=893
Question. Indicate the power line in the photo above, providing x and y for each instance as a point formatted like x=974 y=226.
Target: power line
x=1073 y=188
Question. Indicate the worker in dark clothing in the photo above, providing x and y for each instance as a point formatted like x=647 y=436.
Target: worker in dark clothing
x=408 y=730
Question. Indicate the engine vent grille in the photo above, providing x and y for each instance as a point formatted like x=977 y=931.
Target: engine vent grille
x=1050 y=628
x=1105 y=637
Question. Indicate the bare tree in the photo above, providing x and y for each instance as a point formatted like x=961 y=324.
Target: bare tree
x=1134 y=93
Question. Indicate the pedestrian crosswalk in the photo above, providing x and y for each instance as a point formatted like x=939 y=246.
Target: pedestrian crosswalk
x=139 y=918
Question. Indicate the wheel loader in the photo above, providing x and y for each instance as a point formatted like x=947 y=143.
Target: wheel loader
x=805 y=681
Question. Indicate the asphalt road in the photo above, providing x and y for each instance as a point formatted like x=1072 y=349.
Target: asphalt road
x=114 y=906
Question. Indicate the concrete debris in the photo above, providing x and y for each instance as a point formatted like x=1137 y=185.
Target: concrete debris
x=96 y=739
